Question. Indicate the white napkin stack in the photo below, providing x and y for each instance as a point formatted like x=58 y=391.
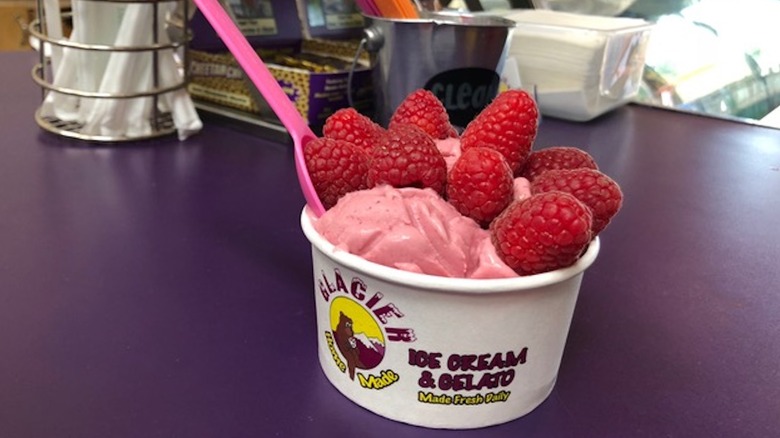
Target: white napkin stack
x=579 y=66
x=119 y=72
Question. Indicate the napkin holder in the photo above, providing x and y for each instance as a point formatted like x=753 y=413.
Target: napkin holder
x=162 y=84
x=579 y=67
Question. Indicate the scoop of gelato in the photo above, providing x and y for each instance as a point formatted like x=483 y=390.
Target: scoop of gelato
x=414 y=230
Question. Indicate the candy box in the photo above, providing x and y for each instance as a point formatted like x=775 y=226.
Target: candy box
x=440 y=352
x=316 y=78
x=577 y=66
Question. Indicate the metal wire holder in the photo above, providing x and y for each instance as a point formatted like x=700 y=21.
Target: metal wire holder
x=161 y=122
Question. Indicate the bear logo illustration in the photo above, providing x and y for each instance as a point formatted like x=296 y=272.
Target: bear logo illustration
x=347 y=344
x=357 y=336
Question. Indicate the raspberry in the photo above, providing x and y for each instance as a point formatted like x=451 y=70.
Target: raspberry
x=508 y=124
x=349 y=125
x=542 y=233
x=556 y=157
x=480 y=184
x=336 y=167
x=598 y=191
x=407 y=157
x=423 y=109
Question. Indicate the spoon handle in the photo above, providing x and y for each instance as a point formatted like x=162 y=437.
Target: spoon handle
x=254 y=68
x=267 y=85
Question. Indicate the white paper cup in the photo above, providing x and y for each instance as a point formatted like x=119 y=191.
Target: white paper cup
x=440 y=352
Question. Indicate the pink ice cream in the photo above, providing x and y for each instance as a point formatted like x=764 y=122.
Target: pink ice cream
x=450 y=150
x=413 y=230
x=522 y=188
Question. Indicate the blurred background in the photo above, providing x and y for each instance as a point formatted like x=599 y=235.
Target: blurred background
x=715 y=57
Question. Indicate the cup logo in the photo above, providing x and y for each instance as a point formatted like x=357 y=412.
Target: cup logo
x=361 y=324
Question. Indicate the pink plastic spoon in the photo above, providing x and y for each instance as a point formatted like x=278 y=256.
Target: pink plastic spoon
x=258 y=73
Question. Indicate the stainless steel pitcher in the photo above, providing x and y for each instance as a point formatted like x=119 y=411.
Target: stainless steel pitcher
x=457 y=57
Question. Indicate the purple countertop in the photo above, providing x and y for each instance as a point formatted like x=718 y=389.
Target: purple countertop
x=163 y=289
